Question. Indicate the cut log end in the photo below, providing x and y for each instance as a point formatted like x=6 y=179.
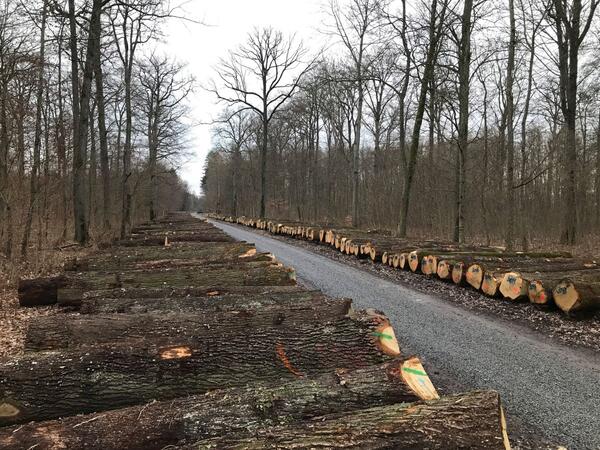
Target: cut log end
x=490 y=285
x=414 y=375
x=474 y=276
x=566 y=296
x=387 y=341
x=537 y=293
x=513 y=286
x=443 y=270
x=413 y=261
x=503 y=427
x=571 y=295
x=458 y=273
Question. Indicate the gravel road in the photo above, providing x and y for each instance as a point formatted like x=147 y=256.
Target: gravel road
x=547 y=388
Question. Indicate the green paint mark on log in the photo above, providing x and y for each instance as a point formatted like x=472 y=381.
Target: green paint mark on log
x=382 y=335
x=414 y=371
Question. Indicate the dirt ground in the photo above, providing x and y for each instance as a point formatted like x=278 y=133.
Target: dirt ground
x=13 y=319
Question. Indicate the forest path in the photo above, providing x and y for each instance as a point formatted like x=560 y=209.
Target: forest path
x=547 y=388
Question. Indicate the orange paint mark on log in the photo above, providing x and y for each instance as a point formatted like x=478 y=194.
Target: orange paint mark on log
x=280 y=350
x=175 y=352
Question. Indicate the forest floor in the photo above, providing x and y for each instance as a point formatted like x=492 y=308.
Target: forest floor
x=13 y=319
x=543 y=363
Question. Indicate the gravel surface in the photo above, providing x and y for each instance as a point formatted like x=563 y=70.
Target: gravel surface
x=551 y=391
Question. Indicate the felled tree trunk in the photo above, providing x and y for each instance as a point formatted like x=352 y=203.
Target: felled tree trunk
x=469 y=421
x=165 y=239
x=296 y=302
x=189 y=419
x=59 y=332
x=129 y=257
x=45 y=291
x=75 y=298
x=47 y=385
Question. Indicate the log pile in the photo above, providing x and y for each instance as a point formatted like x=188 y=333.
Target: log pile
x=554 y=280
x=181 y=337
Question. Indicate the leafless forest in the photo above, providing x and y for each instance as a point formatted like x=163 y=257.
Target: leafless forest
x=472 y=120
x=93 y=122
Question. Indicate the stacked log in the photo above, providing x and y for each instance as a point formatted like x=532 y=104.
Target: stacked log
x=178 y=336
x=540 y=277
x=192 y=418
x=431 y=425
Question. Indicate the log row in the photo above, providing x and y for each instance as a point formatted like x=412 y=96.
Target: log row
x=552 y=279
x=179 y=337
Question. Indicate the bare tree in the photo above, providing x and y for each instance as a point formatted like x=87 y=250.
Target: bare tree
x=355 y=26
x=37 y=144
x=261 y=76
x=132 y=26
x=165 y=91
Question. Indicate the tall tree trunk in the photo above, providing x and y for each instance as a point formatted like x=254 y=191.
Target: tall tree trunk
x=597 y=183
x=435 y=26
x=126 y=176
x=464 y=72
x=79 y=206
x=510 y=138
x=263 y=153
x=102 y=136
x=37 y=141
x=356 y=146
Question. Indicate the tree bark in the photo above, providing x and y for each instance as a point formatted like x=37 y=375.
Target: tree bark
x=102 y=134
x=473 y=421
x=464 y=75
x=436 y=21
x=250 y=303
x=47 y=291
x=186 y=420
x=37 y=140
x=138 y=257
x=54 y=332
x=76 y=298
x=47 y=385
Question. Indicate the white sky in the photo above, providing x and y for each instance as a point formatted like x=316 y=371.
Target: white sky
x=229 y=21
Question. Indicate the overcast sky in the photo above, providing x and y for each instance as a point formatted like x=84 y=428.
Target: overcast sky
x=228 y=22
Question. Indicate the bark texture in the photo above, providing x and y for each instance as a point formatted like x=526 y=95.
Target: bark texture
x=239 y=410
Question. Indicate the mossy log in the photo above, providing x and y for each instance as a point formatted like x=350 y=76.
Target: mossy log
x=238 y=410
x=48 y=385
x=44 y=291
x=205 y=304
x=75 y=298
x=469 y=421
x=59 y=332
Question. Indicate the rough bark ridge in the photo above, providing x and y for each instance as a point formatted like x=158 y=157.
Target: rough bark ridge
x=239 y=410
x=61 y=383
x=54 y=332
x=431 y=425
